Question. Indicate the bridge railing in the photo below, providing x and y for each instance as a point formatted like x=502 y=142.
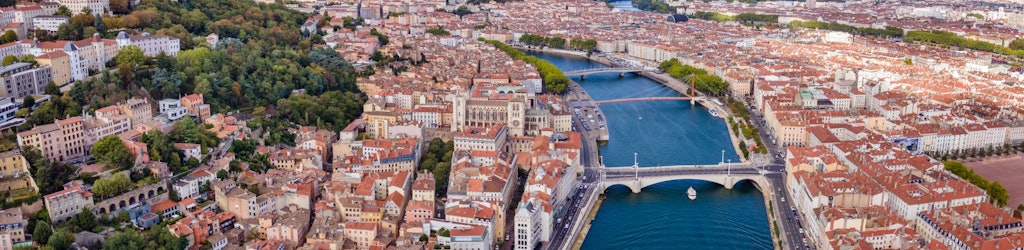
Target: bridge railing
x=657 y=168
x=598 y=70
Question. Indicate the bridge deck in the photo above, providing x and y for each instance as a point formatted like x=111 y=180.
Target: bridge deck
x=602 y=70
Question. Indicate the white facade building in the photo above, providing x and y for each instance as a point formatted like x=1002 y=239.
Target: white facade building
x=49 y=23
x=151 y=45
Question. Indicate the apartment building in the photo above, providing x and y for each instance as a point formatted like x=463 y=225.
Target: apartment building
x=12 y=224
x=151 y=45
x=241 y=202
x=60 y=66
x=138 y=110
x=21 y=80
x=106 y=121
x=12 y=162
x=490 y=139
x=62 y=140
x=196 y=106
x=79 y=6
x=64 y=204
x=48 y=23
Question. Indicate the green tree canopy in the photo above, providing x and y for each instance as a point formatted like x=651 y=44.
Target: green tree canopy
x=111 y=149
x=60 y=240
x=111 y=186
x=130 y=55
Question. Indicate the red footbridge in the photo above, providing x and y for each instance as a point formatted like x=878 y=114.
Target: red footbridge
x=643 y=99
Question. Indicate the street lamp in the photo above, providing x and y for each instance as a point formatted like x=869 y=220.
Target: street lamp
x=728 y=170
x=723 y=157
x=636 y=168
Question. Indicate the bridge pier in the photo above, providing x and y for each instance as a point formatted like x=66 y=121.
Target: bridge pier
x=622 y=74
x=583 y=78
x=728 y=183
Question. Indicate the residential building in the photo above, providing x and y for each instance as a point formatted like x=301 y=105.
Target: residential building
x=107 y=121
x=196 y=106
x=21 y=79
x=529 y=225
x=8 y=107
x=295 y=159
x=490 y=139
x=138 y=109
x=361 y=233
x=151 y=45
x=290 y=227
x=64 y=204
x=474 y=237
x=12 y=162
x=49 y=23
x=12 y=224
x=60 y=66
x=172 y=109
x=191 y=150
x=63 y=140
x=79 y=6
x=241 y=202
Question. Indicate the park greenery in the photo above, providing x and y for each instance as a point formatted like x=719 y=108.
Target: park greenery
x=260 y=63
x=150 y=239
x=111 y=186
x=997 y=194
x=742 y=127
x=50 y=176
x=658 y=6
x=438 y=160
x=889 y=31
x=713 y=16
x=438 y=31
x=704 y=82
x=587 y=45
x=1017 y=44
x=110 y=149
x=749 y=19
x=554 y=80
x=946 y=38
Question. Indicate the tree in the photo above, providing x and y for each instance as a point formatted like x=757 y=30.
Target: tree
x=8 y=60
x=111 y=186
x=192 y=162
x=438 y=31
x=1017 y=44
x=98 y=24
x=60 y=240
x=999 y=194
x=9 y=36
x=42 y=232
x=111 y=149
x=127 y=239
x=85 y=220
x=381 y=38
x=221 y=174
x=441 y=172
x=120 y=6
x=235 y=166
x=130 y=55
x=28 y=102
x=63 y=11
x=52 y=89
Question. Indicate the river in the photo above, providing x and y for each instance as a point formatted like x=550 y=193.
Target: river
x=669 y=133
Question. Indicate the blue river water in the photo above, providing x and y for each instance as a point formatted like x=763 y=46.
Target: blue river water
x=667 y=133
